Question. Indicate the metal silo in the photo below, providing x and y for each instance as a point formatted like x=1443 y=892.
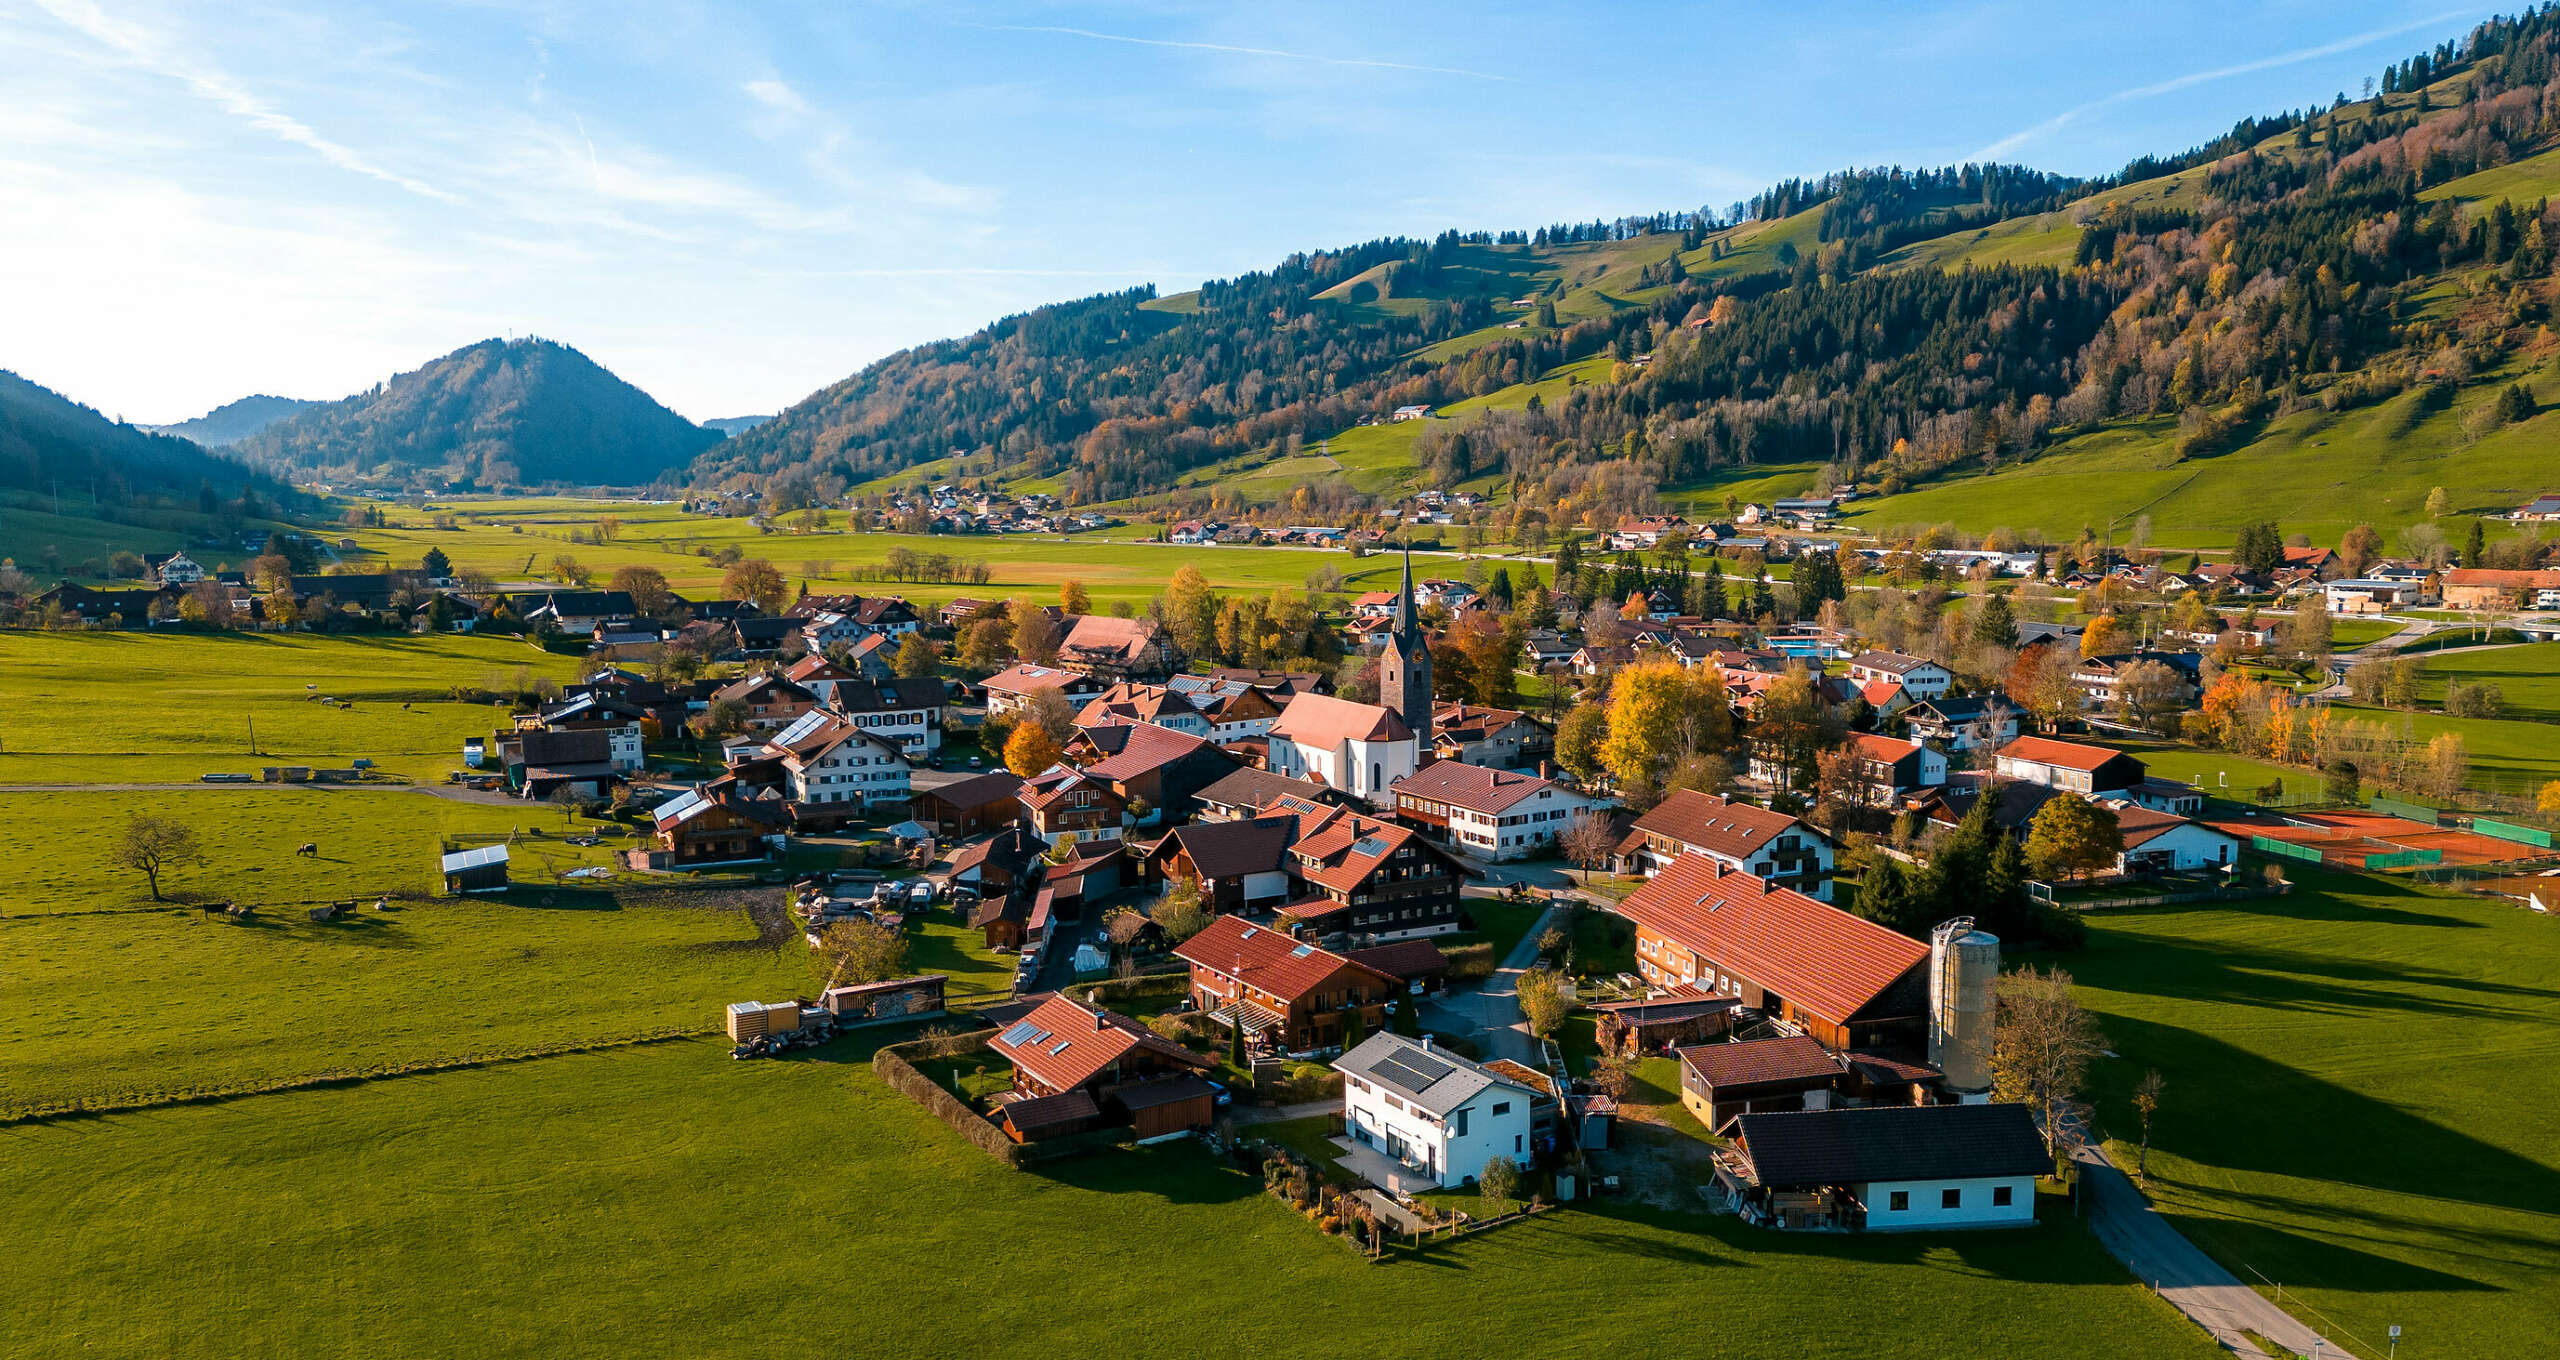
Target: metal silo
x=1964 y=970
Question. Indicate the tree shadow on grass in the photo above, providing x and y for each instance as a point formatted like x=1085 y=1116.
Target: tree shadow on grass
x=561 y=898
x=2261 y=1116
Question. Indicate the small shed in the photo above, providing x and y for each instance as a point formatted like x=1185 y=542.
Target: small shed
x=1049 y=1116
x=1632 y=1028
x=1168 y=1108
x=873 y=1003
x=483 y=869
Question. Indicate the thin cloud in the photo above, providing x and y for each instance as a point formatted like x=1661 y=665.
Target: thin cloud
x=144 y=49
x=2020 y=138
x=1317 y=58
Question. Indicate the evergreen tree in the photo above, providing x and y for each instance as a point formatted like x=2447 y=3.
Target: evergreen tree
x=1994 y=625
x=436 y=564
x=2473 y=542
x=1763 y=604
x=1500 y=587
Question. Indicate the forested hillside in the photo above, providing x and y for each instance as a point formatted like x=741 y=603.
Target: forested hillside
x=51 y=446
x=234 y=421
x=498 y=415
x=1892 y=327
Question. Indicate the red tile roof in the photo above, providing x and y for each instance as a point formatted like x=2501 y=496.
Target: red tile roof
x=1718 y=825
x=2068 y=755
x=1325 y=722
x=1820 y=957
x=1472 y=787
x=1268 y=961
x=1149 y=747
x=1070 y=1044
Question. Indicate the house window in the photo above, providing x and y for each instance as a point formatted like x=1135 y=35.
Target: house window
x=1951 y=1199
x=1501 y=1107
x=1901 y=1201
x=1458 y=1123
x=2000 y=1197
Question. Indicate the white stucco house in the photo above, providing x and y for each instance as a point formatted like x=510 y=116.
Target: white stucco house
x=1434 y=1111
x=1361 y=749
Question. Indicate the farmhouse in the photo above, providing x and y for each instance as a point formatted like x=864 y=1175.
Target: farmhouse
x=1111 y=648
x=1848 y=982
x=1064 y=804
x=1072 y=1062
x=905 y=712
x=1493 y=814
x=836 y=769
x=1432 y=1110
x=1010 y=691
x=1241 y=866
x=1769 y=845
x=1128 y=703
x=1368 y=879
x=768 y=701
x=1495 y=738
x=2489 y=588
x=1919 y=677
x=1961 y=724
x=715 y=824
x=1886 y=1168
x=1271 y=982
x=1158 y=773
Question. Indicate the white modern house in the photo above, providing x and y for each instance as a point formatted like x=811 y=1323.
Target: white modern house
x=1361 y=749
x=1434 y=1111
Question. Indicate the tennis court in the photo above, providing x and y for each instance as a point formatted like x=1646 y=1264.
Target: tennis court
x=2353 y=838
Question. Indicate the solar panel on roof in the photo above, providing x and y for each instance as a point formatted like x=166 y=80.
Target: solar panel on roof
x=1059 y=1047
x=1022 y=1029
x=1302 y=951
x=1368 y=845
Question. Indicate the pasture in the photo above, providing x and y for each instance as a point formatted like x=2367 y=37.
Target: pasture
x=596 y=1204
x=132 y=707
x=2527 y=676
x=2357 y=1100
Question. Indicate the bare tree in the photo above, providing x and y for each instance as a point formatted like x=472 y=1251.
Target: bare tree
x=1587 y=842
x=152 y=844
x=2146 y=1102
x=2044 y=1046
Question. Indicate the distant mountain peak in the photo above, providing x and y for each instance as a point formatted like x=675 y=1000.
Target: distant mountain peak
x=234 y=421
x=495 y=414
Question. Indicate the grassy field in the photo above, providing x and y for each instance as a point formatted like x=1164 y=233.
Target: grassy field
x=664 y=1200
x=2317 y=473
x=156 y=708
x=108 y=1007
x=2508 y=755
x=2358 y=1100
x=370 y=841
x=2528 y=677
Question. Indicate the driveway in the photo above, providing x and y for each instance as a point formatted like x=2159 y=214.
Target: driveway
x=2194 y=1283
x=1489 y=1013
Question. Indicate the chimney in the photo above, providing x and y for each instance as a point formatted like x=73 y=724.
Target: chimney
x=1426 y=1043
x=1098 y=1026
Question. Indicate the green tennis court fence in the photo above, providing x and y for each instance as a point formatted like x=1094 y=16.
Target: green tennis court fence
x=2402 y=859
x=2393 y=807
x=2509 y=831
x=2286 y=849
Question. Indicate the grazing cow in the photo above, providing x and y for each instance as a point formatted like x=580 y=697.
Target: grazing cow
x=311 y=848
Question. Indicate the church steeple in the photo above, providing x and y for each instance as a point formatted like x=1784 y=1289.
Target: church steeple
x=1404 y=667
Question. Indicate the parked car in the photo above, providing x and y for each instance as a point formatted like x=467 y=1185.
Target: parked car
x=977 y=762
x=920 y=893
x=1225 y=1096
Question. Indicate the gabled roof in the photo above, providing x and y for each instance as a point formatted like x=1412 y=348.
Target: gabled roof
x=1403 y=959
x=1432 y=1079
x=978 y=790
x=1472 y=787
x=1268 y=960
x=1148 y=748
x=1102 y=637
x=1466 y=722
x=1257 y=845
x=1027 y=678
x=1823 y=959
x=1325 y=722
x=746 y=687
x=1761 y=1062
x=1891 y=663
x=2141 y=825
x=2068 y=755
x=1249 y=787
x=882 y=696
x=1717 y=825
x=1893 y=1143
x=1065 y=1044
x=1340 y=849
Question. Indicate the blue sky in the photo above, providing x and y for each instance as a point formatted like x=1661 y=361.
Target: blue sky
x=734 y=205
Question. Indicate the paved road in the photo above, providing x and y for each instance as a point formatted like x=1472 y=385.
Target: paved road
x=2194 y=1283
x=1490 y=1012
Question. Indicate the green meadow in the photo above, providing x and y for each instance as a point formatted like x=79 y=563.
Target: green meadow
x=2357 y=1101
x=664 y=1200
x=134 y=707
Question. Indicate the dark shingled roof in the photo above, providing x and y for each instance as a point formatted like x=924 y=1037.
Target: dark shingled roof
x=1257 y=845
x=1893 y=1143
x=1760 y=1062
